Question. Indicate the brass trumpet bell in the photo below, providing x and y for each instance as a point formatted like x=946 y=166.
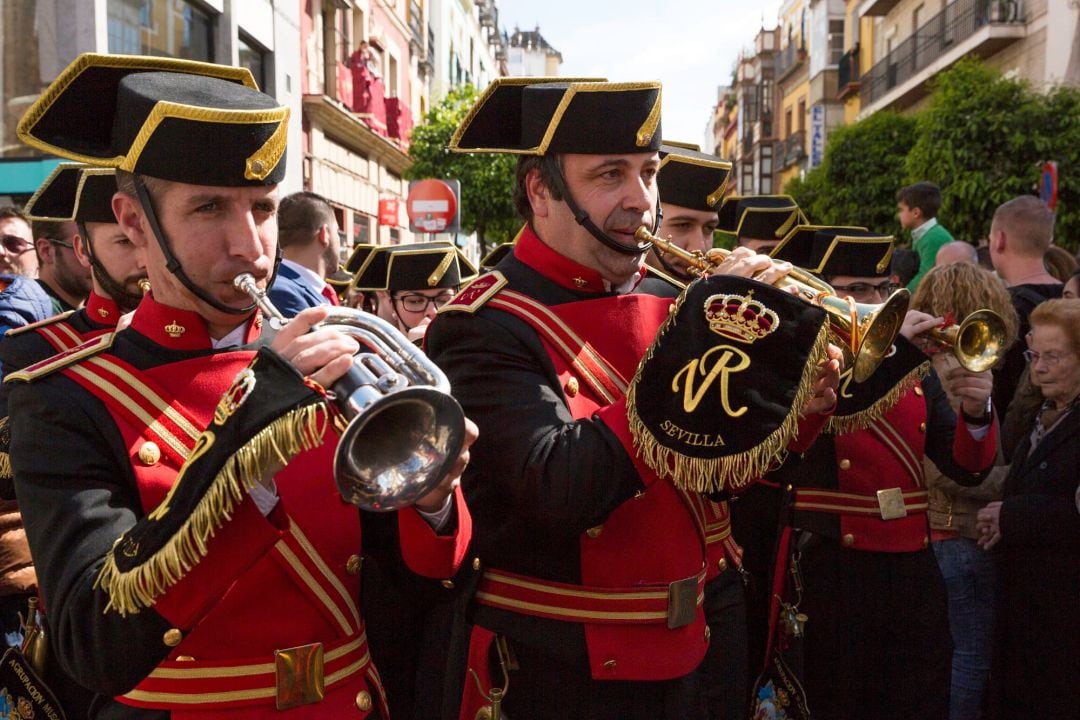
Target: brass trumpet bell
x=978 y=343
x=866 y=332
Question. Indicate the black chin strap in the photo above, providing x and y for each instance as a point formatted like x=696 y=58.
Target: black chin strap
x=173 y=265
x=585 y=221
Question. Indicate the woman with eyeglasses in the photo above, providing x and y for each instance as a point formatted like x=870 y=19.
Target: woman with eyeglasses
x=1034 y=533
x=955 y=291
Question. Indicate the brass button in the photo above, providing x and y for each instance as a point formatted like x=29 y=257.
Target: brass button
x=922 y=427
x=363 y=701
x=926 y=541
x=594 y=532
x=149 y=453
x=721 y=564
x=353 y=565
x=476 y=563
x=708 y=634
x=483 y=713
x=257 y=167
x=671 y=309
x=572 y=387
x=172 y=637
x=448 y=584
x=184 y=658
x=848 y=540
x=845 y=464
x=789 y=487
x=918 y=390
x=610 y=664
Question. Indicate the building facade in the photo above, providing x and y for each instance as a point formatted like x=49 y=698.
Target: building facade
x=755 y=99
x=529 y=54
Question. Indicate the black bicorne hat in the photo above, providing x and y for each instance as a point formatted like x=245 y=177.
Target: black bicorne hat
x=797 y=247
x=75 y=192
x=847 y=251
x=489 y=261
x=417 y=266
x=356 y=259
x=760 y=217
x=542 y=116
x=178 y=120
x=690 y=178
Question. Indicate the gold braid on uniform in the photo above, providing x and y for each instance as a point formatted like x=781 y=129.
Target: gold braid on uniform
x=270 y=449
x=5 y=443
x=862 y=419
x=731 y=472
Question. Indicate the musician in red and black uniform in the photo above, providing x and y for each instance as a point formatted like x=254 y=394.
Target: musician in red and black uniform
x=193 y=553
x=877 y=634
x=759 y=222
x=589 y=569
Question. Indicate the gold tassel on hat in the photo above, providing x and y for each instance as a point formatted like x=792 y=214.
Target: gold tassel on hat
x=272 y=447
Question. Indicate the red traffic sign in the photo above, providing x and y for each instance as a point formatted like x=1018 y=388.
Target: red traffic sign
x=388 y=211
x=431 y=206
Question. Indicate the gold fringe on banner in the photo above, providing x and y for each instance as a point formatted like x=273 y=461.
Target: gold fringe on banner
x=731 y=472
x=5 y=442
x=843 y=424
x=272 y=447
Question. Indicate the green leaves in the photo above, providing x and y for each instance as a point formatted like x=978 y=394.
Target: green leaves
x=486 y=180
x=982 y=137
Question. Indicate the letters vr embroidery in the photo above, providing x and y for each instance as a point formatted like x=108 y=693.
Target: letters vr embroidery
x=740 y=317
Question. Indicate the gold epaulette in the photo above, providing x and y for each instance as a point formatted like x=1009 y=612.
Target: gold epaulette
x=474 y=295
x=62 y=360
x=40 y=323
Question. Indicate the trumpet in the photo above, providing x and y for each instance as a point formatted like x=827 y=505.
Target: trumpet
x=404 y=430
x=978 y=343
x=866 y=332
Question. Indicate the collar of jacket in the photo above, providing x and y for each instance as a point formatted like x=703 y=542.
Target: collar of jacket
x=535 y=253
x=181 y=329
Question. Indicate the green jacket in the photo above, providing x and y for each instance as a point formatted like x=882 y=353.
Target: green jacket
x=927 y=246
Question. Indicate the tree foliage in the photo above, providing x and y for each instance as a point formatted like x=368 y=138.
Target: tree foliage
x=982 y=138
x=857 y=180
x=487 y=180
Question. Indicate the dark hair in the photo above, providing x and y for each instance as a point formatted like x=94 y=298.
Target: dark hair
x=547 y=166
x=923 y=195
x=11 y=211
x=904 y=264
x=300 y=216
x=51 y=229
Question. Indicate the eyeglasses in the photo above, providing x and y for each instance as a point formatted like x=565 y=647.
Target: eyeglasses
x=419 y=303
x=62 y=243
x=15 y=245
x=865 y=289
x=1050 y=358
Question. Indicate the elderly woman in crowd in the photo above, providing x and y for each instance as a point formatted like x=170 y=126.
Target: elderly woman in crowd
x=955 y=291
x=1034 y=532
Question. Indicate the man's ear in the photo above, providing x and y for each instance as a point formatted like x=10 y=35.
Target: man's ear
x=130 y=216
x=323 y=235
x=45 y=250
x=916 y=212
x=78 y=243
x=538 y=193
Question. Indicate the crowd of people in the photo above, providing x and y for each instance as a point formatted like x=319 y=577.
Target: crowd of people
x=837 y=502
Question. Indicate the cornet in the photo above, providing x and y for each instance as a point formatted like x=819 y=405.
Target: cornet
x=866 y=332
x=978 y=343
x=405 y=431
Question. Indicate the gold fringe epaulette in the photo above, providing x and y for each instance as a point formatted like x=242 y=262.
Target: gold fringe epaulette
x=15 y=332
x=5 y=443
x=843 y=424
x=272 y=447
x=732 y=472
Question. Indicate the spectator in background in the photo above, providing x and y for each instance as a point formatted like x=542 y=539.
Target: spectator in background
x=16 y=244
x=1020 y=233
x=60 y=273
x=903 y=266
x=917 y=208
x=1072 y=287
x=957 y=251
x=1034 y=532
x=956 y=290
x=308 y=237
x=1059 y=262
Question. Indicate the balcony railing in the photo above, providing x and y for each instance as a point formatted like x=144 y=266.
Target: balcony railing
x=847 y=73
x=416 y=23
x=793 y=149
x=943 y=32
x=789 y=58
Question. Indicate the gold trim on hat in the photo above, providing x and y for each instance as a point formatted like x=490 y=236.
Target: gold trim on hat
x=270 y=153
x=88 y=172
x=716 y=195
x=882 y=265
x=809 y=228
x=796 y=218
x=490 y=90
x=100 y=60
x=440 y=270
x=28 y=209
x=589 y=87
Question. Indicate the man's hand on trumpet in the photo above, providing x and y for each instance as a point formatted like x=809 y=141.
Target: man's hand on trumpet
x=744 y=262
x=322 y=354
x=826 y=383
x=436 y=499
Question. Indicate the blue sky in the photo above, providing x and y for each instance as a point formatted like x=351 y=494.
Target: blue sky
x=689 y=45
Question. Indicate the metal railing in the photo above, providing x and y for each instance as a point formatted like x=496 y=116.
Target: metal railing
x=847 y=70
x=940 y=34
x=788 y=59
x=416 y=22
x=793 y=149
